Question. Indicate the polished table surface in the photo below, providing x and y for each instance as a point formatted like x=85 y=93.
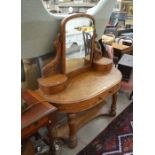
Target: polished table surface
x=86 y=87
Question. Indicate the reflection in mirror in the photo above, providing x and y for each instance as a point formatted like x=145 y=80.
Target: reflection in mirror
x=79 y=32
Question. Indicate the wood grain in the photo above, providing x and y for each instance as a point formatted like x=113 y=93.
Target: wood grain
x=53 y=84
x=103 y=65
x=55 y=66
x=85 y=90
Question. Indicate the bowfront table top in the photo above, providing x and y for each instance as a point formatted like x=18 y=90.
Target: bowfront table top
x=90 y=86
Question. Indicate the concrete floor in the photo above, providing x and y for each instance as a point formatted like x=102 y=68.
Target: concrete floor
x=88 y=132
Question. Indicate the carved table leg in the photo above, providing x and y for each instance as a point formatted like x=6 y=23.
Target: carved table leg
x=72 y=130
x=113 y=105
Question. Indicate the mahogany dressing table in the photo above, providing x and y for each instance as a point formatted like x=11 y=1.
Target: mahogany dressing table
x=78 y=81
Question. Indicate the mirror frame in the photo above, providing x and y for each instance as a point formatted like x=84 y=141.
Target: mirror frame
x=63 y=35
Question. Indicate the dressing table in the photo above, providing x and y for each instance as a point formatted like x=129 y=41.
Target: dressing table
x=79 y=79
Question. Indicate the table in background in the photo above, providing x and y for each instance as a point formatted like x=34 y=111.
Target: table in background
x=120 y=49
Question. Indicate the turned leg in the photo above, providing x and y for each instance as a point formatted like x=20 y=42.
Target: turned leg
x=113 y=105
x=72 y=130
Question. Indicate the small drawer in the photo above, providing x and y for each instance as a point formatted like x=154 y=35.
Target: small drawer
x=109 y=92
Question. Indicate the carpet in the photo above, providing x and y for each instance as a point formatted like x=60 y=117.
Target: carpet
x=116 y=139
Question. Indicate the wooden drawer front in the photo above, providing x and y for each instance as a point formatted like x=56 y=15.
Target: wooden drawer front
x=25 y=133
x=109 y=92
x=84 y=105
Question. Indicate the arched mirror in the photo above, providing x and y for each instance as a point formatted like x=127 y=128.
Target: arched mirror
x=78 y=37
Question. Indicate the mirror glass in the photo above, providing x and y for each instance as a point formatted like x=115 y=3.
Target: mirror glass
x=78 y=42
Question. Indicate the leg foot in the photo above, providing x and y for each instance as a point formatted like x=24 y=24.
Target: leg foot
x=72 y=142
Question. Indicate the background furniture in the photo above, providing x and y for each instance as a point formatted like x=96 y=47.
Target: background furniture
x=39 y=113
x=125 y=65
x=120 y=49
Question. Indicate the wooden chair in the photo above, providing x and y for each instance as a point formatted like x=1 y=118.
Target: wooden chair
x=87 y=42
